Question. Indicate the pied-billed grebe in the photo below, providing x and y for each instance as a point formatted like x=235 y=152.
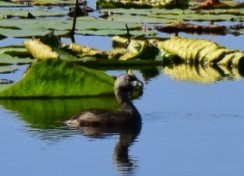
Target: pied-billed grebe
x=126 y=116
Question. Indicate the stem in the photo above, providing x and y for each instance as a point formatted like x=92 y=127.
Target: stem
x=128 y=33
x=72 y=32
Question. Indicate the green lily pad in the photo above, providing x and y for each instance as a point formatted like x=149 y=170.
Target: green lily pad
x=49 y=113
x=8 y=4
x=159 y=16
x=15 y=51
x=40 y=27
x=47 y=2
x=9 y=60
x=36 y=13
x=6 y=69
x=57 y=78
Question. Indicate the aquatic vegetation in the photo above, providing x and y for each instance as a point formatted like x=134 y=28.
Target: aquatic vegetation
x=39 y=50
x=57 y=78
x=142 y=4
x=134 y=41
x=193 y=28
x=202 y=51
x=46 y=2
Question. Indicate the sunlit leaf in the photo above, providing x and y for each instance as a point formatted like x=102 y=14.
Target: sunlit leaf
x=39 y=50
x=201 y=51
x=83 y=51
x=141 y=4
x=57 y=78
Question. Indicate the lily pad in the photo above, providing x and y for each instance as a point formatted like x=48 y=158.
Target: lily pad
x=23 y=13
x=8 y=4
x=39 y=50
x=159 y=16
x=47 y=2
x=15 y=51
x=9 y=60
x=7 y=69
x=83 y=51
x=140 y=49
x=201 y=51
x=141 y=4
x=57 y=78
x=40 y=27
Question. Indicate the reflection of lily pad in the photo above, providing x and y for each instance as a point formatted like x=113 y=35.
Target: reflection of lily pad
x=57 y=78
x=48 y=113
x=201 y=74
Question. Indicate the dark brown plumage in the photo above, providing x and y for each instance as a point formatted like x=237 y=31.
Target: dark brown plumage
x=128 y=115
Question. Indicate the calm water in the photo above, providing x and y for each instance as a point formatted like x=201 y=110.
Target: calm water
x=189 y=128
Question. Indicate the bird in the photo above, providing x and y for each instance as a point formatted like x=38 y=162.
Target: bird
x=127 y=116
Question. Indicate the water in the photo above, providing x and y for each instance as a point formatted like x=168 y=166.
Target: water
x=188 y=129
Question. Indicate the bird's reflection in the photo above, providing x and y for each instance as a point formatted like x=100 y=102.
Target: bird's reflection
x=127 y=136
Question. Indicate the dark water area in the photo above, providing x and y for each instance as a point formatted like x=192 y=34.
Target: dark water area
x=189 y=127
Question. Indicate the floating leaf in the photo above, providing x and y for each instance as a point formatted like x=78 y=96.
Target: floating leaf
x=24 y=13
x=201 y=51
x=48 y=2
x=8 y=4
x=7 y=69
x=40 y=50
x=141 y=4
x=40 y=27
x=83 y=51
x=9 y=60
x=15 y=51
x=57 y=78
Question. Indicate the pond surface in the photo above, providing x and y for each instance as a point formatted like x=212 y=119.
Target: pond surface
x=189 y=128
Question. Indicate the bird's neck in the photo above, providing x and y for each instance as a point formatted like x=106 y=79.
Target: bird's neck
x=124 y=100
